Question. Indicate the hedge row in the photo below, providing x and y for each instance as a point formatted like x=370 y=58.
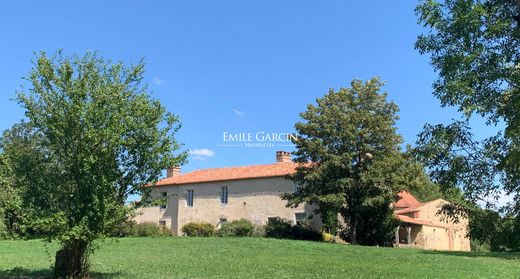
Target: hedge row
x=276 y=228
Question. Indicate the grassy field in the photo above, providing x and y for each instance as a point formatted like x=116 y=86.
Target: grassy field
x=172 y=257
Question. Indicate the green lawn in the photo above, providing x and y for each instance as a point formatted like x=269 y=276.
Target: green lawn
x=177 y=257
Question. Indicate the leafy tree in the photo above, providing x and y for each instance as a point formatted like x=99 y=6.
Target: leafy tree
x=95 y=137
x=474 y=45
x=500 y=233
x=3 y=200
x=357 y=166
x=10 y=204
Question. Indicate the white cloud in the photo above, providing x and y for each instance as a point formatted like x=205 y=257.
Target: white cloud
x=201 y=154
x=238 y=113
x=158 y=81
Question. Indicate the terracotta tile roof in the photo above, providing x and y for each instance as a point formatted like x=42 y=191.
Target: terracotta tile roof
x=415 y=207
x=406 y=200
x=406 y=219
x=231 y=173
x=410 y=209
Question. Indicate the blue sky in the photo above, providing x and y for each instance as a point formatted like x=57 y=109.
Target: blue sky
x=235 y=66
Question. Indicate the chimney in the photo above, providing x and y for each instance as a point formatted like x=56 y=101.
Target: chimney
x=283 y=156
x=173 y=171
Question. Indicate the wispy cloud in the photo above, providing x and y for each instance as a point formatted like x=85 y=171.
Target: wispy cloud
x=158 y=81
x=201 y=154
x=239 y=113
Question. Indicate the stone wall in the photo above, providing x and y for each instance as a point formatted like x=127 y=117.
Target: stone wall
x=252 y=199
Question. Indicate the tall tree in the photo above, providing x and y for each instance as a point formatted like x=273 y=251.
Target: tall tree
x=9 y=201
x=96 y=137
x=356 y=165
x=474 y=45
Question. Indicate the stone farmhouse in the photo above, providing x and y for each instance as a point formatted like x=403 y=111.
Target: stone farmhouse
x=219 y=195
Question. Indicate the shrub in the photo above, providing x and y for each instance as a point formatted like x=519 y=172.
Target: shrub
x=280 y=228
x=305 y=233
x=146 y=229
x=237 y=228
x=3 y=227
x=258 y=231
x=198 y=229
x=327 y=237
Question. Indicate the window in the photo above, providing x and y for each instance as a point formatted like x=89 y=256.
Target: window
x=189 y=198
x=162 y=223
x=271 y=220
x=224 y=195
x=300 y=217
x=164 y=194
x=162 y=206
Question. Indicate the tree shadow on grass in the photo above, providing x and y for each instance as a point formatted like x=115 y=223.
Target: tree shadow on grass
x=23 y=273
x=500 y=255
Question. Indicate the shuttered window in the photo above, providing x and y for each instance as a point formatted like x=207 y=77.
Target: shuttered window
x=224 y=195
x=189 y=198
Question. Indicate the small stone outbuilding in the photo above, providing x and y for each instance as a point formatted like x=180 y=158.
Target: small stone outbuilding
x=423 y=227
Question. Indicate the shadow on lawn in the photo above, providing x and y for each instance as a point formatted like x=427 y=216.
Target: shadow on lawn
x=500 y=255
x=23 y=273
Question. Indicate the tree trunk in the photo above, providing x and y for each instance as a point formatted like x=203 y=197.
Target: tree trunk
x=71 y=261
x=354 y=224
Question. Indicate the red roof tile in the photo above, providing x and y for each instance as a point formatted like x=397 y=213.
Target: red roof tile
x=231 y=173
x=406 y=200
x=406 y=219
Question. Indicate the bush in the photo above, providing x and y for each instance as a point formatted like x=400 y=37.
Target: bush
x=3 y=227
x=198 y=229
x=258 y=232
x=327 y=237
x=146 y=229
x=280 y=228
x=305 y=233
x=237 y=228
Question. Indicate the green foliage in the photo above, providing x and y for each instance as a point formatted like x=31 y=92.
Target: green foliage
x=146 y=230
x=10 y=203
x=94 y=137
x=456 y=160
x=198 y=229
x=258 y=231
x=237 y=228
x=500 y=233
x=474 y=46
x=3 y=228
x=478 y=246
x=357 y=164
x=278 y=228
x=281 y=228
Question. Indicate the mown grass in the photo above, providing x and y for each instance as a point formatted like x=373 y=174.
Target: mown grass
x=178 y=257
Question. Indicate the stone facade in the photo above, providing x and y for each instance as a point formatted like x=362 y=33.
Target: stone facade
x=253 y=193
x=430 y=230
x=254 y=199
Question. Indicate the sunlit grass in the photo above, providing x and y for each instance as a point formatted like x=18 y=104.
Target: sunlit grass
x=178 y=257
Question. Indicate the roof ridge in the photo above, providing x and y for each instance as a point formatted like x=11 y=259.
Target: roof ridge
x=231 y=173
x=227 y=168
